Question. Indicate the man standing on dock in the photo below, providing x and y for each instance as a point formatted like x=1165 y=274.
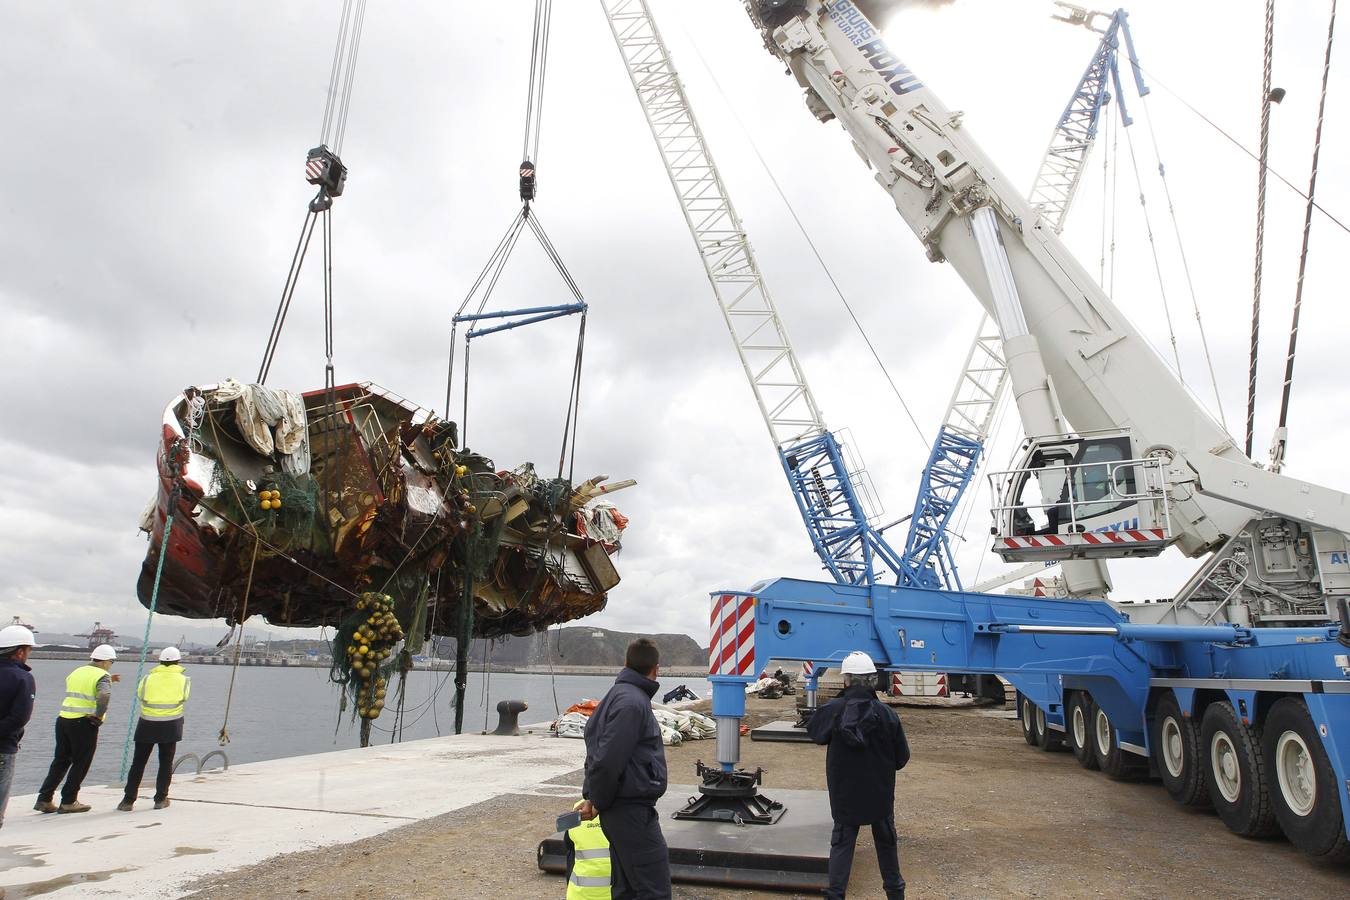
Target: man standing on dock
x=626 y=775
x=163 y=694
x=17 y=692
x=867 y=746
x=88 y=692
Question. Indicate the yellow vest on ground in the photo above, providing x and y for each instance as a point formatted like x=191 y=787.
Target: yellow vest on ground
x=590 y=875
x=163 y=693
x=82 y=692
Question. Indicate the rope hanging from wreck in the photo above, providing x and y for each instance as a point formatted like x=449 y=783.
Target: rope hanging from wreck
x=174 y=494
x=1277 y=449
x=224 y=736
x=196 y=412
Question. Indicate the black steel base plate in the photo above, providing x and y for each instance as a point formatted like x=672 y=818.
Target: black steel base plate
x=793 y=854
x=781 y=731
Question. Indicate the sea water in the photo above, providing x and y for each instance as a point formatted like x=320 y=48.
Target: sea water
x=279 y=712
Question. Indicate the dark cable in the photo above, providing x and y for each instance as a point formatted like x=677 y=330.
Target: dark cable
x=1307 y=231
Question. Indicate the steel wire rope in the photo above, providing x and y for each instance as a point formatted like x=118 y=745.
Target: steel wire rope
x=1260 y=222
x=1277 y=463
x=810 y=243
x=287 y=293
x=1236 y=143
x=534 y=103
x=349 y=77
x=1185 y=262
x=490 y=274
x=334 y=71
x=337 y=104
x=1153 y=248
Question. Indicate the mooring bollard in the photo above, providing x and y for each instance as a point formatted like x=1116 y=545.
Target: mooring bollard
x=508 y=713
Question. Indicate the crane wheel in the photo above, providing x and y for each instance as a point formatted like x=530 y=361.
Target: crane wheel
x=1078 y=712
x=1236 y=772
x=1114 y=761
x=1047 y=738
x=1026 y=715
x=1303 y=783
x=1175 y=741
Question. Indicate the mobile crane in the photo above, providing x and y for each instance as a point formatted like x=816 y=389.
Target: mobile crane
x=1239 y=694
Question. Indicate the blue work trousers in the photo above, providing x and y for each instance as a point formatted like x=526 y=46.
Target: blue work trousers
x=842 y=842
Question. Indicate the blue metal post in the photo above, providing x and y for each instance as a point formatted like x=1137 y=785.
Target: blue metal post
x=728 y=708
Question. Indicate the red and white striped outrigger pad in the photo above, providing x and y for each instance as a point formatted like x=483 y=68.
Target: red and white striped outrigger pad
x=732 y=650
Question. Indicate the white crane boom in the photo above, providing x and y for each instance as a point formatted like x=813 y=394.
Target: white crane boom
x=1113 y=433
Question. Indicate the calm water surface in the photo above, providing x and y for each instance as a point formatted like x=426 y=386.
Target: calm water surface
x=282 y=712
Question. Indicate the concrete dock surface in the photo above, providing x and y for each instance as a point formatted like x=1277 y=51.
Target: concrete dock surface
x=221 y=821
x=980 y=814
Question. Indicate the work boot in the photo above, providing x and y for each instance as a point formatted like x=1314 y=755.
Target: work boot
x=75 y=807
x=45 y=806
x=162 y=804
x=124 y=806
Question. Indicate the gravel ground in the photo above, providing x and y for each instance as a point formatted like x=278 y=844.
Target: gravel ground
x=980 y=814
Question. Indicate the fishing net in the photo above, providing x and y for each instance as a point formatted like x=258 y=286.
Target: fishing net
x=363 y=653
x=280 y=505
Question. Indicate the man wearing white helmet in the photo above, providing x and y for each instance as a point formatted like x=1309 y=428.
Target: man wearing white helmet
x=867 y=746
x=88 y=692
x=163 y=694
x=17 y=692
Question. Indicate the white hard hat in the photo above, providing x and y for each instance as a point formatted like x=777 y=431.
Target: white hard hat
x=16 y=636
x=858 y=663
x=103 y=652
x=170 y=654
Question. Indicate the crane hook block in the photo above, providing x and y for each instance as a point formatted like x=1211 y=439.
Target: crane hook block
x=325 y=169
x=526 y=181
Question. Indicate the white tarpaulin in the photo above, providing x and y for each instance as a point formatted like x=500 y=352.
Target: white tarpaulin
x=270 y=420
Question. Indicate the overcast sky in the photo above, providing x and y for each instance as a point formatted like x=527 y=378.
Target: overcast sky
x=153 y=189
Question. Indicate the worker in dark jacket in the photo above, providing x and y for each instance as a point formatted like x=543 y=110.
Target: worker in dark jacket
x=626 y=775
x=17 y=692
x=867 y=746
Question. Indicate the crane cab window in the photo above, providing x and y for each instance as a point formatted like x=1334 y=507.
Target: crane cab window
x=1072 y=486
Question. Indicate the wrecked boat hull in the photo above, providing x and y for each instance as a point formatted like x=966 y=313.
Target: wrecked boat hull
x=376 y=497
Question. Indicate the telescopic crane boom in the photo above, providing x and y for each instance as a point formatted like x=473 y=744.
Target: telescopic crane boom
x=1121 y=460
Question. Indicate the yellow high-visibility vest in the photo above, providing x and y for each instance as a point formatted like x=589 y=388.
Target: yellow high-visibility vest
x=163 y=693
x=82 y=692
x=590 y=875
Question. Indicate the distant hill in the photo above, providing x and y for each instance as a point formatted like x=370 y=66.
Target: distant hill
x=577 y=646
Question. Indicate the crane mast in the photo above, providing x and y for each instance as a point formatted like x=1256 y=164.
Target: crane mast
x=830 y=493
x=1121 y=459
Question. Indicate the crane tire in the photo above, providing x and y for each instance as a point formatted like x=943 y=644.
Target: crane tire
x=1115 y=761
x=1303 y=783
x=1175 y=741
x=1047 y=738
x=1026 y=716
x=1236 y=772
x=1078 y=728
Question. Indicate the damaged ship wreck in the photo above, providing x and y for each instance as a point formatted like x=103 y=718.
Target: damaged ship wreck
x=295 y=507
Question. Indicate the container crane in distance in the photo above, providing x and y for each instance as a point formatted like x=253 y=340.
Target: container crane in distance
x=1120 y=461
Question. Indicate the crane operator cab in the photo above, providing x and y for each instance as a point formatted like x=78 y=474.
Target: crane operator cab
x=1079 y=497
